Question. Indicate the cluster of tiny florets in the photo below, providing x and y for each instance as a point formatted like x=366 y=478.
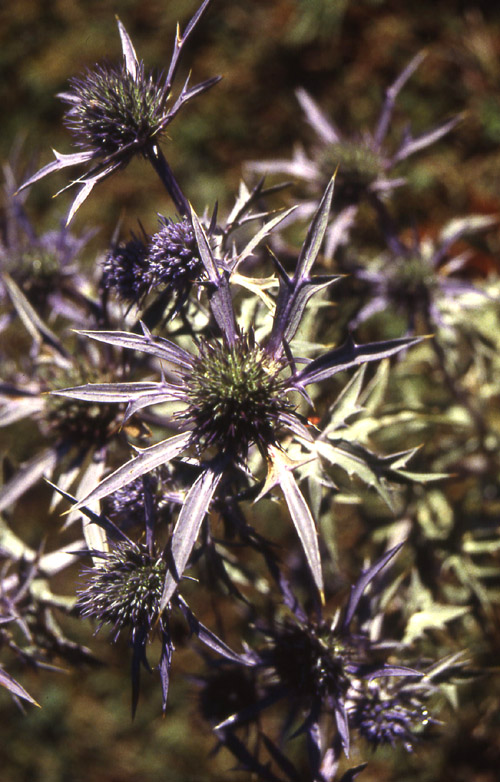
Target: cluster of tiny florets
x=174 y=259
x=170 y=259
x=235 y=397
x=127 y=505
x=385 y=713
x=124 y=270
x=112 y=111
x=125 y=589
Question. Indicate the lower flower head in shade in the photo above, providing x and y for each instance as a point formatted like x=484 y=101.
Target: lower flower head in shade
x=125 y=589
x=389 y=711
x=333 y=673
x=311 y=660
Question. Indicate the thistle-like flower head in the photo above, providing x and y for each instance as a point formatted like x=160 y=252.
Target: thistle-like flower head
x=167 y=264
x=416 y=278
x=389 y=711
x=124 y=269
x=42 y=265
x=235 y=397
x=366 y=162
x=311 y=660
x=125 y=589
x=114 y=111
x=174 y=259
x=117 y=112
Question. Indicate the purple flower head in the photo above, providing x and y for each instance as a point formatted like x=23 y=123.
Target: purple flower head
x=118 y=112
x=124 y=589
x=173 y=258
x=390 y=710
x=167 y=263
x=124 y=269
x=419 y=277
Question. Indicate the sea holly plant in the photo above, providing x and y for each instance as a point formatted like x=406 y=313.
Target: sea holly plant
x=232 y=395
x=118 y=112
x=202 y=386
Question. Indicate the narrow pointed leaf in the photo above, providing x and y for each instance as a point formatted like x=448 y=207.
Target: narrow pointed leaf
x=261 y=234
x=368 y=575
x=295 y=292
x=301 y=516
x=129 y=54
x=247 y=760
x=188 y=524
x=315 y=234
x=219 y=293
x=342 y=725
x=164 y=668
x=28 y=474
x=350 y=355
x=15 y=688
x=293 y=316
x=33 y=323
x=102 y=521
x=204 y=248
x=16 y=407
x=82 y=196
x=209 y=638
x=320 y=123
x=352 y=773
x=106 y=392
x=188 y=94
x=156 y=346
x=94 y=535
x=147 y=460
x=412 y=145
x=180 y=40
x=393 y=670
x=281 y=760
x=61 y=161
x=145 y=400
x=392 y=93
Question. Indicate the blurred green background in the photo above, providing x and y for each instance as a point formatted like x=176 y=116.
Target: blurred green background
x=345 y=53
